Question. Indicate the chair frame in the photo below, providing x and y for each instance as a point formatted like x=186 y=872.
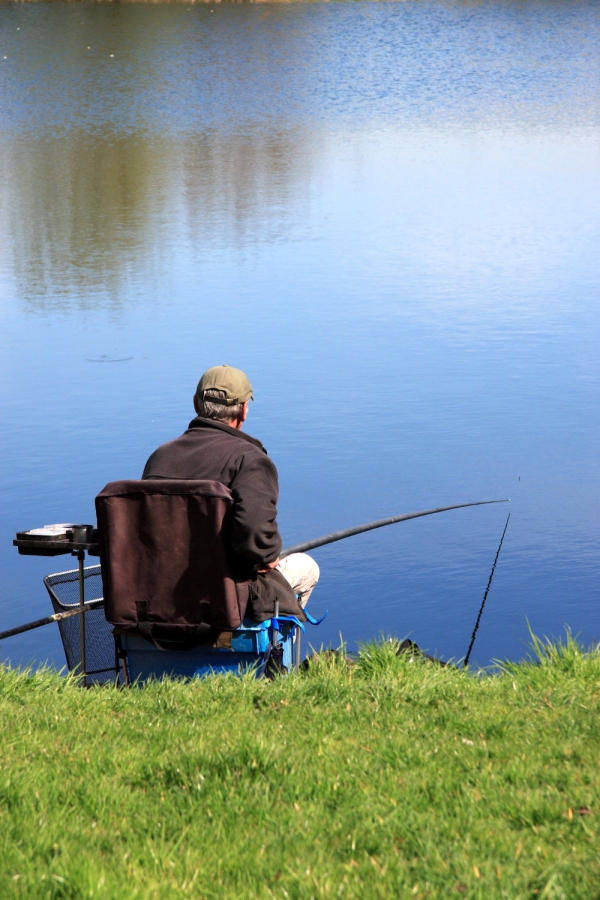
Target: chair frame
x=265 y=636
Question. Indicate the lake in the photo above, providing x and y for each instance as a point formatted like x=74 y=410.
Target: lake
x=388 y=215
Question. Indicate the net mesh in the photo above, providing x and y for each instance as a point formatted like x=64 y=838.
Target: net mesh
x=99 y=643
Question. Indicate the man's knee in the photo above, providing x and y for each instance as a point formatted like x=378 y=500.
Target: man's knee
x=310 y=568
x=301 y=571
x=302 y=567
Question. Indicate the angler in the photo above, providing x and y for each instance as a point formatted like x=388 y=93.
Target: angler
x=214 y=448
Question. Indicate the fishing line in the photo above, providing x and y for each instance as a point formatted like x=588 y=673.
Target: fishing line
x=487 y=590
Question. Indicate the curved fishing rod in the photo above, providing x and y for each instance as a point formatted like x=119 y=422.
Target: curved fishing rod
x=380 y=523
x=297 y=548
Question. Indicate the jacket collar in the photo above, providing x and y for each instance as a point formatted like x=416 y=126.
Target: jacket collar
x=200 y=422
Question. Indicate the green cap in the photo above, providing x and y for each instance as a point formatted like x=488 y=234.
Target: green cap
x=232 y=381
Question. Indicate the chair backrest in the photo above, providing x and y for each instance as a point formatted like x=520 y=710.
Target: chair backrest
x=166 y=564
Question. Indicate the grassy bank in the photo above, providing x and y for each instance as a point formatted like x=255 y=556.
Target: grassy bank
x=389 y=779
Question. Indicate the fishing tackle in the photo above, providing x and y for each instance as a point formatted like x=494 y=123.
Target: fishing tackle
x=297 y=548
x=380 y=523
x=47 y=620
x=487 y=590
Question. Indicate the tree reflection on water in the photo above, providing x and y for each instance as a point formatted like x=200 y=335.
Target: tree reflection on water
x=84 y=212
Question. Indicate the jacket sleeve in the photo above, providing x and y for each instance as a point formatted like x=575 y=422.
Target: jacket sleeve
x=255 y=491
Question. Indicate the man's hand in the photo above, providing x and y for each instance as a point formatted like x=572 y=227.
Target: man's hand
x=268 y=566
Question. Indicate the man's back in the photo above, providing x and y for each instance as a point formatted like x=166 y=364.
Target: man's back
x=214 y=451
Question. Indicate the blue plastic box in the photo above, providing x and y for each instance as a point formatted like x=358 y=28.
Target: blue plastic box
x=248 y=648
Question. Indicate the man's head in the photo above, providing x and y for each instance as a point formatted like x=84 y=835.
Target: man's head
x=223 y=393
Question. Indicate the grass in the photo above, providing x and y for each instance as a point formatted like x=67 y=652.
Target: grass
x=387 y=779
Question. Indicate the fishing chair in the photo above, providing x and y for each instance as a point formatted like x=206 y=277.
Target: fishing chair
x=172 y=594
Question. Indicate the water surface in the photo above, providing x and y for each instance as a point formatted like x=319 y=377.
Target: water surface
x=388 y=215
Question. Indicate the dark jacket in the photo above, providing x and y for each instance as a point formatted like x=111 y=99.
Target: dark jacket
x=216 y=452
x=213 y=451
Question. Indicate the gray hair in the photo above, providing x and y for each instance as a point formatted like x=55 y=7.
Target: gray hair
x=218 y=409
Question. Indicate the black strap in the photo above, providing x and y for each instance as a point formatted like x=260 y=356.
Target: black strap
x=146 y=628
x=143 y=624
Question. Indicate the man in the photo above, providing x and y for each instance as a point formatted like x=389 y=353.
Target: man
x=214 y=448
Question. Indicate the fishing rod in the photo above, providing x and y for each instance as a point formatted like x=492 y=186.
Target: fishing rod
x=57 y=617
x=487 y=590
x=297 y=548
x=380 y=523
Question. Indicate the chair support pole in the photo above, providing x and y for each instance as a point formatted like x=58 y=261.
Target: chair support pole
x=81 y=558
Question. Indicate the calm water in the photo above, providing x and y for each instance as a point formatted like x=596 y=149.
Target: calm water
x=388 y=214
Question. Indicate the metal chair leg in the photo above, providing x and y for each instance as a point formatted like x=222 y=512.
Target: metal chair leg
x=121 y=662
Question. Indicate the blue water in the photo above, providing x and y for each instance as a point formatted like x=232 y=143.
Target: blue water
x=388 y=214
